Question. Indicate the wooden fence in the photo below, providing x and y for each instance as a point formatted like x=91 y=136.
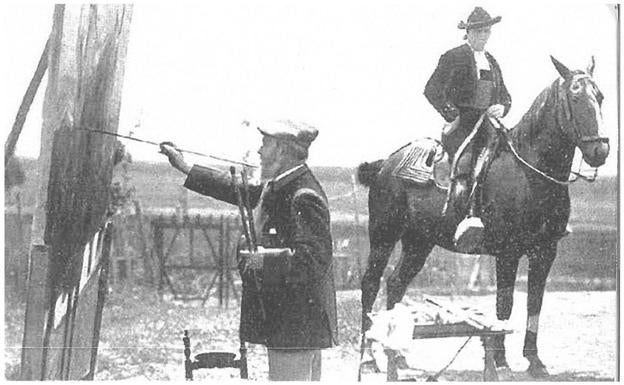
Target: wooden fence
x=204 y=263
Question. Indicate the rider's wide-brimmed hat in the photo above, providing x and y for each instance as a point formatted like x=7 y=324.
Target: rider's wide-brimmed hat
x=479 y=18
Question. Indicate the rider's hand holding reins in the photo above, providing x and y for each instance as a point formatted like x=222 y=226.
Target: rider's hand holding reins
x=175 y=157
x=450 y=127
x=496 y=111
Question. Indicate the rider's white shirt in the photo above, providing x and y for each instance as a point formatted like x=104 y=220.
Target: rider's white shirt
x=481 y=60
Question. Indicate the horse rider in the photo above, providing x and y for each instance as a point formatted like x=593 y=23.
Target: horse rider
x=467 y=83
x=293 y=312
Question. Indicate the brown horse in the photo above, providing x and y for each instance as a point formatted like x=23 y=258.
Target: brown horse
x=525 y=203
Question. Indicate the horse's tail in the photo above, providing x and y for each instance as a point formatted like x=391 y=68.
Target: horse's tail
x=367 y=172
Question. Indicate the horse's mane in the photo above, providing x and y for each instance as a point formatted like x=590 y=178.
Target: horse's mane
x=528 y=127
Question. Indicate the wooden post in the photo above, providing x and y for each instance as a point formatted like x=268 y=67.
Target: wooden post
x=356 y=220
x=160 y=255
x=148 y=265
x=489 y=367
x=37 y=303
x=226 y=262
x=221 y=257
x=85 y=63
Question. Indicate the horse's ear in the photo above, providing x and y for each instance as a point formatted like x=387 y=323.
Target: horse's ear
x=591 y=66
x=562 y=69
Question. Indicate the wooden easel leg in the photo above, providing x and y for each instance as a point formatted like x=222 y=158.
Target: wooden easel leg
x=391 y=370
x=489 y=368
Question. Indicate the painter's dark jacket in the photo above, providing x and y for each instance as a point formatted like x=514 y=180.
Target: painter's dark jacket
x=298 y=291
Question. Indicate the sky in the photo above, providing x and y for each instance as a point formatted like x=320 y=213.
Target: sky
x=355 y=70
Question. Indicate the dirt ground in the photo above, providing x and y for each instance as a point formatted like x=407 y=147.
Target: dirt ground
x=141 y=338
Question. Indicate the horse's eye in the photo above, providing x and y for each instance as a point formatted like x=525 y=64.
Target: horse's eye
x=576 y=87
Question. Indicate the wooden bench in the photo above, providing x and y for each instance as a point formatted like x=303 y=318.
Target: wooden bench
x=461 y=329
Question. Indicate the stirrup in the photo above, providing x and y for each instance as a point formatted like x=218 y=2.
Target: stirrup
x=469 y=235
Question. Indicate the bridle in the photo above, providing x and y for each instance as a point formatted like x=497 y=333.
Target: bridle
x=569 y=117
x=561 y=118
x=577 y=139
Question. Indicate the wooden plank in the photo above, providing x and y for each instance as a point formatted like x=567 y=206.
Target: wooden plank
x=460 y=329
x=89 y=313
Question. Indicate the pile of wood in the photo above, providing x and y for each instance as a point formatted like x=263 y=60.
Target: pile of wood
x=396 y=328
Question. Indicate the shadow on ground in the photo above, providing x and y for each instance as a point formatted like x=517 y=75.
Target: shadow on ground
x=521 y=376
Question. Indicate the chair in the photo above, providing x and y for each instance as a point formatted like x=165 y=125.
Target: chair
x=213 y=359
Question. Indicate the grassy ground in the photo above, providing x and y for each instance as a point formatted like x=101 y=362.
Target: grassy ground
x=141 y=338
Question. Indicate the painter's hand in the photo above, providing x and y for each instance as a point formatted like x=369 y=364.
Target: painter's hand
x=496 y=111
x=175 y=157
x=254 y=261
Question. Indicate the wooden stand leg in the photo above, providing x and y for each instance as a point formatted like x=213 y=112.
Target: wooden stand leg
x=489 y=368
x=391 y=370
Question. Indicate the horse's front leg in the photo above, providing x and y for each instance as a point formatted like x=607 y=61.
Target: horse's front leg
x=540 y=262
x=506 y=269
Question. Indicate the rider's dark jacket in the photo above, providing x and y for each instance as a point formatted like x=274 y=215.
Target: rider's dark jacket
x=453 y=84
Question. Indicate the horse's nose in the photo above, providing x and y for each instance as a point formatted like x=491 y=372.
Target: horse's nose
x=602 y=151
x=599 y=155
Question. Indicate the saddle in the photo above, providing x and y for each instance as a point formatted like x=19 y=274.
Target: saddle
x=425 y=162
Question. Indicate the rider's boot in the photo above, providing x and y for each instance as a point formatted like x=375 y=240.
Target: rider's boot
x=469 y=234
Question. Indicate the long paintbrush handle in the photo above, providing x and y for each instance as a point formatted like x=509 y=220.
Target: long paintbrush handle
x=252 y=225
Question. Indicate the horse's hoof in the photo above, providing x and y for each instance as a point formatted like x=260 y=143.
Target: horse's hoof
x=537 y=369
x=504 y=373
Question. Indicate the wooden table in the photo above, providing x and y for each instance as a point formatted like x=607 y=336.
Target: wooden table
x=461 y=329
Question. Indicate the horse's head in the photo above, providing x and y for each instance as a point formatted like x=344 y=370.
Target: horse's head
x=580 y=118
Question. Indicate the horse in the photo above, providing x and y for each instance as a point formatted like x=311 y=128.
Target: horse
x=525 y=204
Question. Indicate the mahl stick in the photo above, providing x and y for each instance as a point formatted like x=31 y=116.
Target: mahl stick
x=252 y=226
x=250 y=243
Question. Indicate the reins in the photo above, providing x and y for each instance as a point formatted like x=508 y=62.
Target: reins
x=498 y=124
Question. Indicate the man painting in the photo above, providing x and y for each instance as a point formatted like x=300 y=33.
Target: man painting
x=289 y=299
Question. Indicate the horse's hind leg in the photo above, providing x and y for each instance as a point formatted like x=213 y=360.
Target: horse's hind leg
x=377 y=261
x=413 y=257
x=540 y=263
x=386 y=225
x=506 y=269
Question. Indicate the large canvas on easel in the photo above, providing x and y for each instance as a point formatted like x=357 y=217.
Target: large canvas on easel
x=71 y=231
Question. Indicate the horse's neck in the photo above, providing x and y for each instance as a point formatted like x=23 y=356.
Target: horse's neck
x=539 y=139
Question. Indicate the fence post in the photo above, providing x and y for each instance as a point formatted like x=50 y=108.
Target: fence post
x=148 y=271
x=221 y=256
x=158 y=245
x=356 y=219
x=226 y=262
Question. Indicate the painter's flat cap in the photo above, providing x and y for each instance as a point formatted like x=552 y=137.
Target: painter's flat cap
x=479 y=18
x=299 y=133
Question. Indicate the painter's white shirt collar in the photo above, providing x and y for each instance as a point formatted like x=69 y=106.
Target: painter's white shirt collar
x=288 y=172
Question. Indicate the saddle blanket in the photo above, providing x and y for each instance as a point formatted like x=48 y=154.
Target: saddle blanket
x=424 y=161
